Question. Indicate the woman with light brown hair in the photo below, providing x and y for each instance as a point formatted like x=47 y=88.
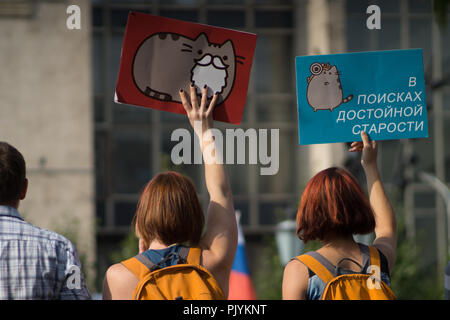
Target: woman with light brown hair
x=169 y=216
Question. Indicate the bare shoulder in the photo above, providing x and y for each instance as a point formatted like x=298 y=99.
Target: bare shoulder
x=119 y=283
x=119 y=271
x=296 y=269
x=295 y=280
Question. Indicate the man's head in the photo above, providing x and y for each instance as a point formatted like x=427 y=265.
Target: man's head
x=13 y=182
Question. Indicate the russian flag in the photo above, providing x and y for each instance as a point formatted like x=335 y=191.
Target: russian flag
x=240 y=286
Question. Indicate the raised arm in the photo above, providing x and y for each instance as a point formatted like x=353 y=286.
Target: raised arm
x=220 y=238
x=386 y=225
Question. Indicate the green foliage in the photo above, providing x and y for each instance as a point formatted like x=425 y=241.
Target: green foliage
x=412 y=278
x=128 y=248
x=268 y=277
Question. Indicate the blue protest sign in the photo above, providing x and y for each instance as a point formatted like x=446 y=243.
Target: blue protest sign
x=380 y=92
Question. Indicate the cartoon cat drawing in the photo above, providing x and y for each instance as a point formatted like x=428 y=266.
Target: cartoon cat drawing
x=324 y=87
x=167 y=62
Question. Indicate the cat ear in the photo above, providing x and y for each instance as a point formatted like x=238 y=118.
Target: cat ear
x=227 y=45
x=202 y=39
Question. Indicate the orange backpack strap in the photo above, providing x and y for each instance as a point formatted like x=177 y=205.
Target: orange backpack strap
x=374 y=257
x=311 y=260
x=193 y=256
x=139 y=265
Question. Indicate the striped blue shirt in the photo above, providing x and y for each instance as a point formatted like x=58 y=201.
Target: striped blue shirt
x=36 y=263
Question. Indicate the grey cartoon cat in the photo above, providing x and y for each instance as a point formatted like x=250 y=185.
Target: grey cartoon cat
x=324 y=87
x=167 y=62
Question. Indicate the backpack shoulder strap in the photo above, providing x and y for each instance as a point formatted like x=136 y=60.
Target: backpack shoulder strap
x=139 y=265
x=374 y=257
x=317 y=264
x=192 y=255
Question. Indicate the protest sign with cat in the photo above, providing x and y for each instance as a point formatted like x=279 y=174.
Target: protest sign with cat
x=160 y=56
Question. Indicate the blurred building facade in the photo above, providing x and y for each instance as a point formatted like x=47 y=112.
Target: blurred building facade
x=89 y=158
x=46 y=113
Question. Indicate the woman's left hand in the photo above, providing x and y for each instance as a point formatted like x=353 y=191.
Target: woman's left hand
x=199 y=114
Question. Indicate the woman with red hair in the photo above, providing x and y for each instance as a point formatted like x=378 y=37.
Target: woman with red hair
x=332 y=209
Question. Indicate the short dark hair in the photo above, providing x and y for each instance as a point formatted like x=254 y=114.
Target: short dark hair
x=12 y=173
x=333 y=203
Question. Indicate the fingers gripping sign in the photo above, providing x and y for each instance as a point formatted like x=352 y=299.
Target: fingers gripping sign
x=204 y=99
x=196 y=113
x=201 y=119
x=368 y=148
x=193 y=95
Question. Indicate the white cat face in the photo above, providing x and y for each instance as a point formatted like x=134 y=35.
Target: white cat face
x=328 y=77
x=209 y=72
x=212 y=64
